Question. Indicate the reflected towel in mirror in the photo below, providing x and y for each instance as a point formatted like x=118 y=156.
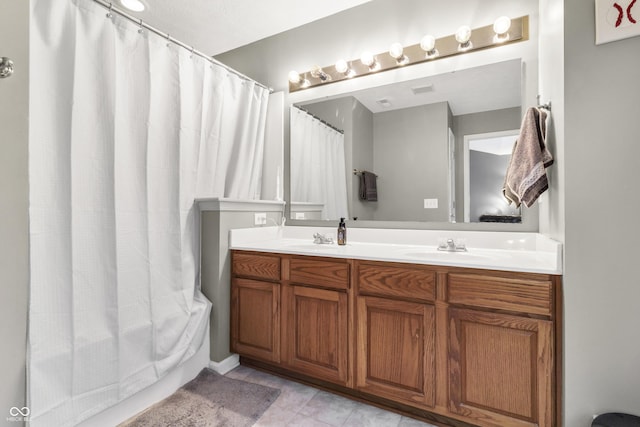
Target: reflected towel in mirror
x=368 y=187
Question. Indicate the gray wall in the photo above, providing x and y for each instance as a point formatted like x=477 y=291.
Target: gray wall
x=14 y=205
x=602 y=284
x=486 y=177
x=216 y=271
x=471 y=124
x=410 y=159
x=349 y=115
x=362 y=158
x=406 y=148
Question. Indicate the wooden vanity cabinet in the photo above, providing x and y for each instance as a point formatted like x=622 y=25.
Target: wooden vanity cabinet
x=501 y=349
x=451 y=345
x=395 y=353
x=255 y=306
x=316 y=318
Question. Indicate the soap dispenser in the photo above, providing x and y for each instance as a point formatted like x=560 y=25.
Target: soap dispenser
x=342 y=232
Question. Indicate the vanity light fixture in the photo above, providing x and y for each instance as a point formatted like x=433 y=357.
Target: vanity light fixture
x=501 y=28
x=463 y=37
x=368 y=59
x=502 y=32
x=428 y=44
x=133 y=5
x=343 y=68
x=396 y=52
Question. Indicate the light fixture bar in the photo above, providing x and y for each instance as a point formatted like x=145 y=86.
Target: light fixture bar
x=481 y=38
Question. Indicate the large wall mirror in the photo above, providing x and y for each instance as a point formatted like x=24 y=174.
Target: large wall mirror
x=433 y=149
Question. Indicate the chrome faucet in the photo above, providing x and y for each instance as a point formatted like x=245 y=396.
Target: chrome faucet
x=450 y=245
x=321 y=239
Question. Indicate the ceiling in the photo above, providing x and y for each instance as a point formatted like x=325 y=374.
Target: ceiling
x=216 y=26
x=484 y=88
x=472 y=90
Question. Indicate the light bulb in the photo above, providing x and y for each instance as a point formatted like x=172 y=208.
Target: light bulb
x=294 y=77
x=367 y=59
x=427 y=43
x=396 y=50
x=134 y=5
x=341 y=66
x=318 y=73
x=502 y=25
x=463 y=35
x=501 y=28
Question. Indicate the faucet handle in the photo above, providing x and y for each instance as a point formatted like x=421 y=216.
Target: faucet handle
x=461 y=245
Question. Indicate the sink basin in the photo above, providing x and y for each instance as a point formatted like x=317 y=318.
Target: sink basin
x=309 y=247
x=435 y=255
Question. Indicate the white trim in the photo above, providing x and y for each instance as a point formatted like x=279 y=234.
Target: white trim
x=306 y=207
x=228 y=364
x=237 y=205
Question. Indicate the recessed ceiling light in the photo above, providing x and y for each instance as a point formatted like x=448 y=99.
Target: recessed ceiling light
x=383 y=102
x=422 y=89
x=133 y=5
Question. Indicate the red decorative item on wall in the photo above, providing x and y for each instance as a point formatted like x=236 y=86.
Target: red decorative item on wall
x=615 y=20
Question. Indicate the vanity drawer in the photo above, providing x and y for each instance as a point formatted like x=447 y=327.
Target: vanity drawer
x=520 y=295
x=383 y=279
x=323 y=273
x=256 y=265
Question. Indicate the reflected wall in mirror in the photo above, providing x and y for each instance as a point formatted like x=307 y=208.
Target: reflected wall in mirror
x=486 y=158
x=411 y=136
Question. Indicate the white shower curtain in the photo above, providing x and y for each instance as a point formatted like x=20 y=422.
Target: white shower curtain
x=318 y=171
x=125 y=132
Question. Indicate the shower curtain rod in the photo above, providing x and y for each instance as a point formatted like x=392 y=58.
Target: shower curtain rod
x=111 y=8
x=319 y=119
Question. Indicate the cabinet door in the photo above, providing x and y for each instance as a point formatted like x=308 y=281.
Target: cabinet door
x=500 y=368
x=316 y=332
x=255 y=319
x=395 y=352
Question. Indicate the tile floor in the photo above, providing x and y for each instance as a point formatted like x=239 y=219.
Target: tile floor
x=303 y=406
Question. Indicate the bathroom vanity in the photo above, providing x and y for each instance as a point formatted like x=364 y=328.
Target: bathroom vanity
x=469 y=338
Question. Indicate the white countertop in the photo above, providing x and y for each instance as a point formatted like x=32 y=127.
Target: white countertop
x=523 y=252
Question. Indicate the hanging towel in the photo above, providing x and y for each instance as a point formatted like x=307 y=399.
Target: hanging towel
x=368 y=187
x=526 y=177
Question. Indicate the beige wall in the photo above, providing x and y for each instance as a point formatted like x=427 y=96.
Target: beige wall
x=14 y=204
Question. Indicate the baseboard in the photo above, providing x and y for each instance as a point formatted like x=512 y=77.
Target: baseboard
x=226 y=365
